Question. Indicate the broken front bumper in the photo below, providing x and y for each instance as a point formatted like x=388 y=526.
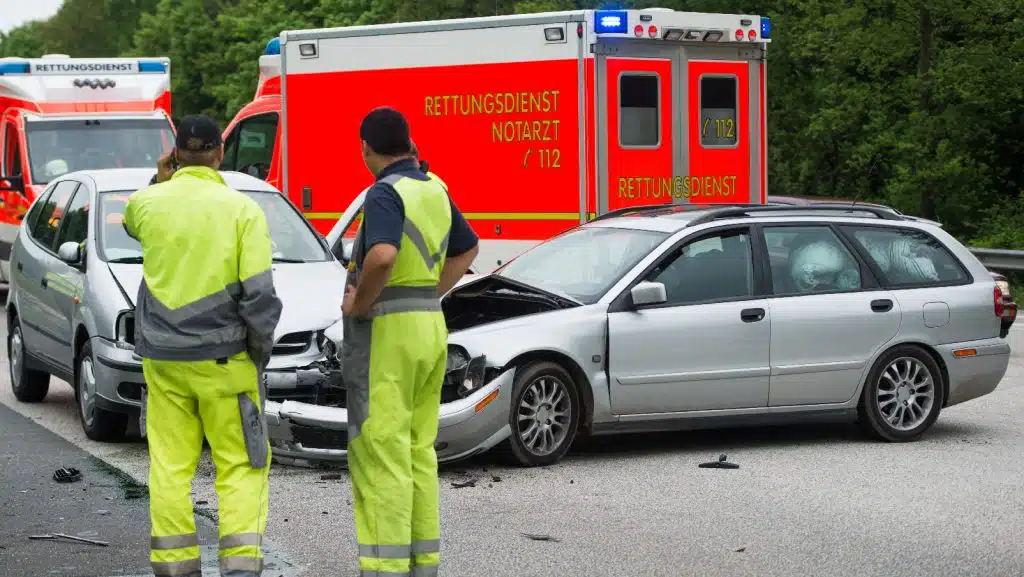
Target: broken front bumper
x=467 y=427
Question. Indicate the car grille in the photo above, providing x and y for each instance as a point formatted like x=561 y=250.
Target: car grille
x=319 y=438
x=293 y=343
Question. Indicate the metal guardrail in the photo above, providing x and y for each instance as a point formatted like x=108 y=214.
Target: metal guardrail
x=1000 y=260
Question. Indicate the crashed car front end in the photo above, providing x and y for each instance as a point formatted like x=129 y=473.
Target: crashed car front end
x=475 y=400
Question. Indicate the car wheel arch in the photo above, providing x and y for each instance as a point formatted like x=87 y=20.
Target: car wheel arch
x=12 y=313
x=927 y=349
x=584 y=391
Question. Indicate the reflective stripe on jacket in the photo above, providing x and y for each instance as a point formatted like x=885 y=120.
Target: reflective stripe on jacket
x=207 y=290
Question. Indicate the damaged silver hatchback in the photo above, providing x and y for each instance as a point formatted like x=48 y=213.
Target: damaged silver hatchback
x=688 y=316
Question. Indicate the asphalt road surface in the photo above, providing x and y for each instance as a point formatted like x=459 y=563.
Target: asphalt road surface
x=811 y=501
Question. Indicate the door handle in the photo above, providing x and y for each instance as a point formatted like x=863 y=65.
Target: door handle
x=881 y=305
x=751 y=315
x=44 y=282
x=20 y=266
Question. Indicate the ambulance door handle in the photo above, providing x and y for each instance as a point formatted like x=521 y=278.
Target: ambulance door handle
x=307 y=198
x=20 y=266
x=44 y=282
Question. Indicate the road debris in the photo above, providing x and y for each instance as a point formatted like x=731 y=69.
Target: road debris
x=495 y=478
x=719 y=464
x=331 y=477
x=103 y=512
x=463 y=484
x=740 y=550
x=202 y=502
x=136 y=492
x=535 y=537
x=54 y=536
x=67 y=475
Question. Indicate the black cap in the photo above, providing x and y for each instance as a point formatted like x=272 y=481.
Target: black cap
x=198 y=133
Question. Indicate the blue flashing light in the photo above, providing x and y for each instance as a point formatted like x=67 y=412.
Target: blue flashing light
x=611 y=22
x=14 y=68
x=152 y=67
x=766 y=28
x=273 y=47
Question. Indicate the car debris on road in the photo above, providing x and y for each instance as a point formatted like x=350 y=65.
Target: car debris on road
x=55 y=536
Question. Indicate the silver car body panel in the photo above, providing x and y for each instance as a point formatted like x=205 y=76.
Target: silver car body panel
x=696 y=366
x=311 y=294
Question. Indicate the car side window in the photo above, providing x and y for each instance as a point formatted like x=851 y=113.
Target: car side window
x=76 y=220
x=44 y=230
x=809 y=259
x=908 y=257
x=715 y=267
x=33 y=214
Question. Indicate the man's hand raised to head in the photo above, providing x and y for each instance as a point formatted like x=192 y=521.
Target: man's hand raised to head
x=165 y=167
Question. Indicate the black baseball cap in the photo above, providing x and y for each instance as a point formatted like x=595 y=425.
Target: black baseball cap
x=198 y=133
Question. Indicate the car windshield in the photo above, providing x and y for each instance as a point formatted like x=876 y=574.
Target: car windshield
x=291 y=237
x=57 y=147
x=584 y=262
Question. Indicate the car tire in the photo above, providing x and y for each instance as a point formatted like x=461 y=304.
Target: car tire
x=902 y=396
x=28 y=385
x=99 y=424
x=544 y=415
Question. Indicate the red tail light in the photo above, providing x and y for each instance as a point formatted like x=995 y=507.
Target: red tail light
x=997 y=301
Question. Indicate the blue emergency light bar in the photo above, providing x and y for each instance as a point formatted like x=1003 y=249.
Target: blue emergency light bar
x=14 y=68
x=611 y=22
x=152 y=67
x=273 y=47
x=766 y=28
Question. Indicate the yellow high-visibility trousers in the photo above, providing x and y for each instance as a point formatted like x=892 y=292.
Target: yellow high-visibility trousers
x=395 y=366
x=186 y=400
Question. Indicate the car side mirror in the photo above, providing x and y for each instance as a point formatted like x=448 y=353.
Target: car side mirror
x=70 y=252
x=648 y=293
x=15 y=183
x=346 y=251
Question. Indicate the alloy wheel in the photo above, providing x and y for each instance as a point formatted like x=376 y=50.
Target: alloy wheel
x=87 y=391
x=17 y=352
x=545 y=413
x=906 y=393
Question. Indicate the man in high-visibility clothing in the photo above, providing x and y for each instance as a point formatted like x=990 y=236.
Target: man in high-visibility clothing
x=413 y=245
x=205 y=317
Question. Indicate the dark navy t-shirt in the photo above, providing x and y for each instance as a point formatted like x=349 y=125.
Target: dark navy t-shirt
x=384 y=213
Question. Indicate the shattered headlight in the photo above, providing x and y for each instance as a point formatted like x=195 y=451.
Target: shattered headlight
x=326 y=345
x=124 y=330
x=464 y=373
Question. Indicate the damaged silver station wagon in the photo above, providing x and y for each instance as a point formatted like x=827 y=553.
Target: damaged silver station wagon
x=688 y=316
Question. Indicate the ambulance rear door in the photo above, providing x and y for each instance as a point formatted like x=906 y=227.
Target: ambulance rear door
x=679 y=108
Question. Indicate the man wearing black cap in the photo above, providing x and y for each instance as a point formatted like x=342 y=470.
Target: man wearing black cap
x=205 y=318
x=412 y=246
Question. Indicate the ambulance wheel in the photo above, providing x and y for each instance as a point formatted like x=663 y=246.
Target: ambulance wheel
x=545 y=414
x=28 y=385
x=99 y=424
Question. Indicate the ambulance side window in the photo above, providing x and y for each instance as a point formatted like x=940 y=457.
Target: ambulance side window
x=12 y=149
x=250 y=146
x=719 y=126
x=639 y=110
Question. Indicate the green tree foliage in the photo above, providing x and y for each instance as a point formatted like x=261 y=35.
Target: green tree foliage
x=915 y=103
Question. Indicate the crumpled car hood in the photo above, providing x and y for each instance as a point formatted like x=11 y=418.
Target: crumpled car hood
x=310 y=293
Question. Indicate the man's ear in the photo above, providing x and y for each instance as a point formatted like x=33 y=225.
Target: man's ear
x=220 y=156
x=366 y=150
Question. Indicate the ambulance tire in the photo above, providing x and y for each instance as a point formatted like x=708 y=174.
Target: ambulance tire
x=549 y=388
x=28 y=385
x=99 y=424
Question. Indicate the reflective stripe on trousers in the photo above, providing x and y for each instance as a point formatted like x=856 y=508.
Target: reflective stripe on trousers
x=178 y=554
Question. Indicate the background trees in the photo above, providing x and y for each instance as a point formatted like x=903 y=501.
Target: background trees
x=915 y=103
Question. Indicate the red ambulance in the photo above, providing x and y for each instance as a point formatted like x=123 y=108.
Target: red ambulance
x=60 y=114
x=536 y=122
